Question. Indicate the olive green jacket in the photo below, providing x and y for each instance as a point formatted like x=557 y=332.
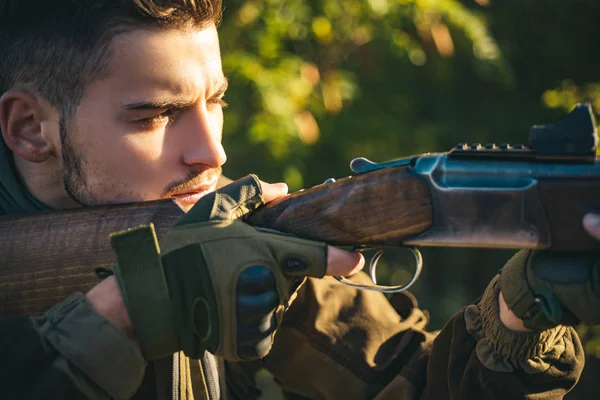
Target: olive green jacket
x=339 y=343
x=335 y=343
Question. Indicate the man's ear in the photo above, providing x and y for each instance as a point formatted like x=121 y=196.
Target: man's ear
x=21 y=119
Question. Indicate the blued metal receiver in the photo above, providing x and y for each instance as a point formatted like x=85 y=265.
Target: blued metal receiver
x=473 y=187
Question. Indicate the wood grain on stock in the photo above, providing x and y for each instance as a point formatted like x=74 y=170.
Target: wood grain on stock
x=44 y=259
x=379 y=208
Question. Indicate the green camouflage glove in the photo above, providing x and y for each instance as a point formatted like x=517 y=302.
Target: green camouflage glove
x=546 y=289
x=216 y=283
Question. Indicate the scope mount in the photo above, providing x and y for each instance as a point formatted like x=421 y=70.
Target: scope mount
x=573 y=138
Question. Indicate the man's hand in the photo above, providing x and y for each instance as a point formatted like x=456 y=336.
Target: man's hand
x=218 y=283
x=591 y=223
x=544 y=289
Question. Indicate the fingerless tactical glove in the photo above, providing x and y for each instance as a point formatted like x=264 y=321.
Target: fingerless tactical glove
x=545 y=289
x=215 y=283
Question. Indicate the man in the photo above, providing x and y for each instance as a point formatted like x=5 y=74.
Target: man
x=109 y=101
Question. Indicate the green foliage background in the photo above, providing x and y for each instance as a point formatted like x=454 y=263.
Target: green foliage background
x=317 y=83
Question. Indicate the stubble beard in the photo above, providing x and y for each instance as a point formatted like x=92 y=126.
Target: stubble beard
x=72 y=169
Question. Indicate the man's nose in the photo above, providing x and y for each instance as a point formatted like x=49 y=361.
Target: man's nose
x=203 y=133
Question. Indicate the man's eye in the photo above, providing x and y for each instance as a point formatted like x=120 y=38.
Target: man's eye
x=159 y=120
x=217 y=101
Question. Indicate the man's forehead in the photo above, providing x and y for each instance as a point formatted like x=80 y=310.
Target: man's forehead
x=200 y=41
x=177 y=61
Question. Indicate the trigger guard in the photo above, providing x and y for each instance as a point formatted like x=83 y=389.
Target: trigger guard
x=372 y=273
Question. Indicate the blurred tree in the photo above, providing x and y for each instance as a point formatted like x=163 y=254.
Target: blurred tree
x=317 y=83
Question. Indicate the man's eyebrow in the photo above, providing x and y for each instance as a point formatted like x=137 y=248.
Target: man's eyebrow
x=154 y=104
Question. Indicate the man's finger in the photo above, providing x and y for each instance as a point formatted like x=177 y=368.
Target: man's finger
x=271 y=191
x=591 y=223
x=343 y=263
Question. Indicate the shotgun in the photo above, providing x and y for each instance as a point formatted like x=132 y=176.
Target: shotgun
x=493 y=196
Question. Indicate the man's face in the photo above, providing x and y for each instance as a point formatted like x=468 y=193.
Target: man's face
x=152 y=128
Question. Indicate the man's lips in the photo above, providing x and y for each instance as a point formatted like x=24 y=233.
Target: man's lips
x=191 y=195
x=192 y=191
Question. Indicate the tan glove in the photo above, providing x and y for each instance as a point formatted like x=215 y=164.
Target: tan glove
x=216 y=283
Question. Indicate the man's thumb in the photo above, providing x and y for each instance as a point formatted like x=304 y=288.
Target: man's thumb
x=343 y=263
x=591 y=223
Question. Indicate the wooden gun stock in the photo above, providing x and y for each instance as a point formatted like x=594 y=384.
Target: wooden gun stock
x=47 y=256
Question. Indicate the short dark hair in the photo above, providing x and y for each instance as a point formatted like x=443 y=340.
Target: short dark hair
x=58 y=47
